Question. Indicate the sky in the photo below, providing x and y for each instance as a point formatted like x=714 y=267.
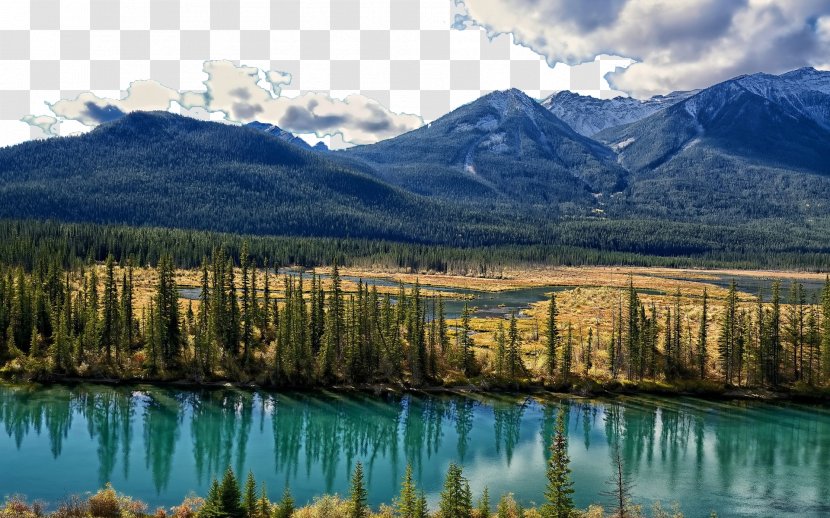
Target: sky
x=357 y=71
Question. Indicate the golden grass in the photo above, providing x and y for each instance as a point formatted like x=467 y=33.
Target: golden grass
x=590 y=304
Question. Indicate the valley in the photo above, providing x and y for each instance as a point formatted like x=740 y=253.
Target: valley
x=657 y=265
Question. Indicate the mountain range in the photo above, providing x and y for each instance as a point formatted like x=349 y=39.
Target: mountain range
x=502 y=169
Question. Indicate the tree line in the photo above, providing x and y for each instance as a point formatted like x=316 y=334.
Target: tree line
x=27 y=243
x=250 y=324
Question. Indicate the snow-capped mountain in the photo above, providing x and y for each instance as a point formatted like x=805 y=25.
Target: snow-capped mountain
x=589 y=115
x=762 y=119
x=804 y=91
x=503 y=145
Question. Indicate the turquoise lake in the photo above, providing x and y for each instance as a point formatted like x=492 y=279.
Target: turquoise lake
x=159 y=444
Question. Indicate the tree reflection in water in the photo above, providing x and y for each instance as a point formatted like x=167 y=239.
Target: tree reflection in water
x=160 y=443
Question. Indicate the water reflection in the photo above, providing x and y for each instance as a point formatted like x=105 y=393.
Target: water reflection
x=740 y=459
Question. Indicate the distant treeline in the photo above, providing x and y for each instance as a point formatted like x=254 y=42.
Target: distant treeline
x=574 y=243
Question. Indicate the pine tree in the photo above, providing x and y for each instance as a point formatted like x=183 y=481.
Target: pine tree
x=109 y=323
x=588 y=356
x=612 y=346
x=515 y=365
x=336 y=313
x=230 y=496
x=167 y=325
x=633 y=336
x=455 y=500
x=443 y=333
x=677 y=350
x=824 y=350
x=501 y=350
x=263 y=505
x=212 y=507
x=726 y=342
x=62 y=340
x=668 y=355
x=127 y=316
x=552 y=342
x=465 y=342
x=249 y=497
x=246 y=312
x=567 y=353
x=407 y=502
x=812 y=343
x=421 y=510
x=702 y=336
x=358 y=496
x=559 y=503
x=775 y=334
x=285 y=507
x=484 y=503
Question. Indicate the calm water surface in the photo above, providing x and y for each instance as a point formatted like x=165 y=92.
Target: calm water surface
x=158 y=444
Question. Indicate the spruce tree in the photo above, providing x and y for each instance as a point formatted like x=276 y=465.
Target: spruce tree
x=249 y=497
x=501 y=350
x=455 y=500
x=775 y=334
x=515 y=366
x=824 y=349
x=407 y=502
x=230 y=496
x=465 y=342
x=285 y=507
x=702 y=336
x=263 y=505
x=633 y=336
x=212 y=507
x=559 y=503
x=677 y=350
x=484 y=503
x=246 y=312
x=726 y=342
x=109 y=324
x=421 y=510
x=358 y=507
x=567 y=353
x=552 y=341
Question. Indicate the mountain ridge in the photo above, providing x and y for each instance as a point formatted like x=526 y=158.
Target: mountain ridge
x=501 y=169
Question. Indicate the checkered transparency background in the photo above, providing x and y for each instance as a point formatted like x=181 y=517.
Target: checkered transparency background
x=402 y=53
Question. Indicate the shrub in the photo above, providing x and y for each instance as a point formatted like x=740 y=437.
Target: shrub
x=104 y=503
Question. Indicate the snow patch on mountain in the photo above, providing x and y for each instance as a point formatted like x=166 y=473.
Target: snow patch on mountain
x=589 y=115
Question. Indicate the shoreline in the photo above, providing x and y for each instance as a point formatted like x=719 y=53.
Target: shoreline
x=582 y=389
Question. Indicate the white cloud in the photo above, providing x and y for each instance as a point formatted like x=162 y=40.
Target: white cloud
x=679 y=44
x=242 y=94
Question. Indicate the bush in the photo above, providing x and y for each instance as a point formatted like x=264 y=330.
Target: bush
x=74 y=507
x=17 y=507
x=106 y=503
x=189 y=508
x=324 y=507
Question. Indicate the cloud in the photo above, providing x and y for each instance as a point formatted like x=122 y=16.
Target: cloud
x=91 y=110
x=679 y=44
x=46 y=123
x=243 y=94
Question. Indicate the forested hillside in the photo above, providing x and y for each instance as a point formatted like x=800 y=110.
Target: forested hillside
x=735 y=173
x=166 y=170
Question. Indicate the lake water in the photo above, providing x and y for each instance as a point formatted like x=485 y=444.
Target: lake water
x=158 y=444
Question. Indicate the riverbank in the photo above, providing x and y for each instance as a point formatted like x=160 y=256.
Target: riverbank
x=580 y=388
